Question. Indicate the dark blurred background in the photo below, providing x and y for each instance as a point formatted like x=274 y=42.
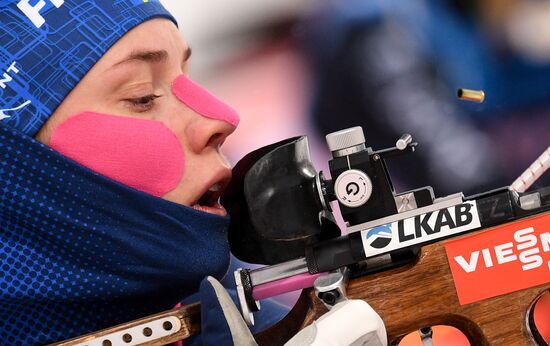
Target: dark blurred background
x=312 y=67
x=392 y=67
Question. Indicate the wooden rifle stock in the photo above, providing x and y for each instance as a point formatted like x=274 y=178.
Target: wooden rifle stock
x=189 y=317
x=423 y=294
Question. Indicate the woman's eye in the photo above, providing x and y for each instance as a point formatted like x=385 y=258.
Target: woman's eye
x=144 y=103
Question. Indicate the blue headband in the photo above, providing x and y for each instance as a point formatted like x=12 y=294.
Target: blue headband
x=47 y=46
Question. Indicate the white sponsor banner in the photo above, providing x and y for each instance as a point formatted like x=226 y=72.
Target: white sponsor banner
x=420 y=229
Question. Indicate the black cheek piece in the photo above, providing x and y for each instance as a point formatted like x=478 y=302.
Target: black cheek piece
x=275 y=206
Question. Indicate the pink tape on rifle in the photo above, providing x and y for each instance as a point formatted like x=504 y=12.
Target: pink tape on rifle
x=290 y=284
x=202 y=101
x=143 y=154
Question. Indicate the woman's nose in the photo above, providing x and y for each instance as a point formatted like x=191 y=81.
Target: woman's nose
x=216 y=120
x=208 y=133
x=203 y=102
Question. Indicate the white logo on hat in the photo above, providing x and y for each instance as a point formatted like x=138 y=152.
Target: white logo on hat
x=3 y=114
x=33 y=12
x=6 y=77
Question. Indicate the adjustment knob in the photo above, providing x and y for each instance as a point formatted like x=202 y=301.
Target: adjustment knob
x=353 y=188
x=346 y=142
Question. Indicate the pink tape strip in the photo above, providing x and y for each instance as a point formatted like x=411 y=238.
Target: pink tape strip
x=290 y=284
x=202 y=101
x=143 y=154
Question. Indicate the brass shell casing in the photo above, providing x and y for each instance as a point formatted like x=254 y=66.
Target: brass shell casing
x=471 y=95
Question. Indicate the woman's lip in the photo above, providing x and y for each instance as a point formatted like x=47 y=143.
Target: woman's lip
x=216 y=209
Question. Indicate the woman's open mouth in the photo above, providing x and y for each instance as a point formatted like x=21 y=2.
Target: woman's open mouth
x=210 y=200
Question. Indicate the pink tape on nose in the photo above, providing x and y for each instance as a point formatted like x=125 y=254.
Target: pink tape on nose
x=202 y=101
x=143 y=154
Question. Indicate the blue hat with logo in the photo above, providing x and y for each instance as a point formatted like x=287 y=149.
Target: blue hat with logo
x=47 y=46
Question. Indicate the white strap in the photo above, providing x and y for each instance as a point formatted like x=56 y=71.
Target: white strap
x=349 y=323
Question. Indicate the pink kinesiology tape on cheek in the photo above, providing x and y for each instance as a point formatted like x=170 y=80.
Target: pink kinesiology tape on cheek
x=202 y=101
x=143 y=154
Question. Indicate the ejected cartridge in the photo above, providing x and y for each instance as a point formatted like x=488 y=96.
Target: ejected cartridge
x=471 y=95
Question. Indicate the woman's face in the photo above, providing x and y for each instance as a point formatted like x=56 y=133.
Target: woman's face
x=135 y=79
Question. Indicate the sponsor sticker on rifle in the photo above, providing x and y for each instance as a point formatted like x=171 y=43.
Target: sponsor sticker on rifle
x=505 y=259
x=420 y=229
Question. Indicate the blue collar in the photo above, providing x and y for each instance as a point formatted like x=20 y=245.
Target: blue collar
x=80 y=252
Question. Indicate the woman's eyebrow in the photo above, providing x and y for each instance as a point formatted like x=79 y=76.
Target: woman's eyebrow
x=187 y=54
x=145 y=55
x=152 y=56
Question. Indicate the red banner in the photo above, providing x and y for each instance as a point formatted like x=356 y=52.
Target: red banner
x=505 y=259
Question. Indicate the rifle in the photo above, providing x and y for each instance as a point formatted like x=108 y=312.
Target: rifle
x=418 y=260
